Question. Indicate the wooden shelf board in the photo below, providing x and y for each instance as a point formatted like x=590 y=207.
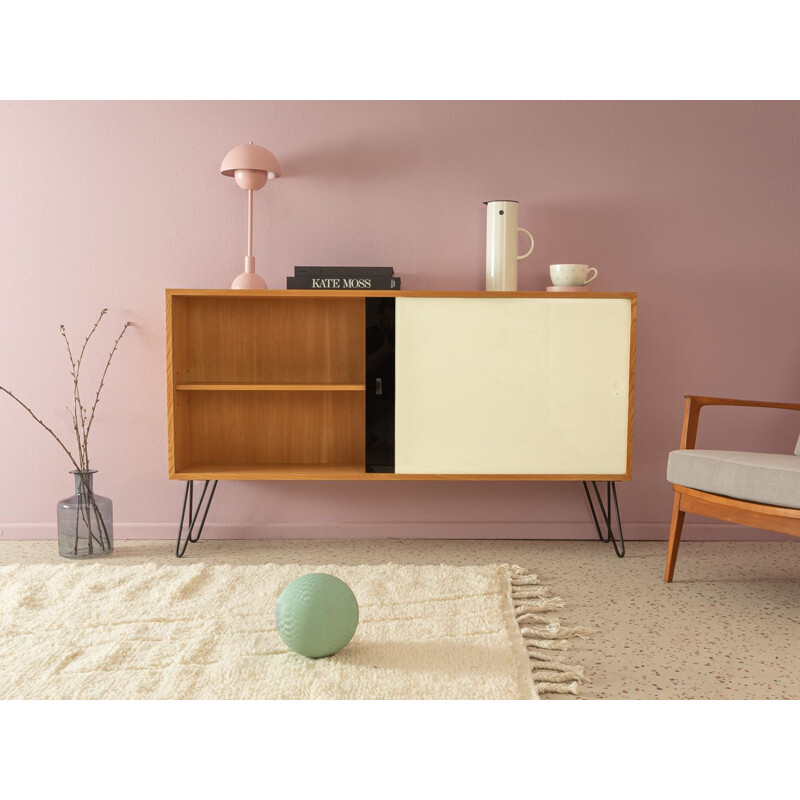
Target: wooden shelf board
x=270 y=387
x=257 y=472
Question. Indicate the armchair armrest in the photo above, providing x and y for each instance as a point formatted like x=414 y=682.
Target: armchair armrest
x=694 y=403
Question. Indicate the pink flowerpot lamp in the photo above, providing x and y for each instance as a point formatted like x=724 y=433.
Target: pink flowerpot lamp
x=252 y=166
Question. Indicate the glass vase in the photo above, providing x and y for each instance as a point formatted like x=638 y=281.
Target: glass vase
x=85 y=520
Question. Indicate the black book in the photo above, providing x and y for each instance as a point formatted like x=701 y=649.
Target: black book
x=340 y=272
x=344 y=282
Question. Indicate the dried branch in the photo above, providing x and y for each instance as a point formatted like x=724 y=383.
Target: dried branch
x=49 y=430
x=81 y=421
x=81 y=409
x=103 y=312
x=75 y=395
x=102 y=383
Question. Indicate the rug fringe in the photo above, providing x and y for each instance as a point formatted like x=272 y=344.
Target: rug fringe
x=543 y=604
x=560 y=666
x=558 y=688
x=548 y=644
x=543 y=633
x=525 y=617
x=553 y=675
x=544 y=655
x=522 y=592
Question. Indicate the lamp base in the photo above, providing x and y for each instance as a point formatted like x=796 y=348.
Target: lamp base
x=249 y=280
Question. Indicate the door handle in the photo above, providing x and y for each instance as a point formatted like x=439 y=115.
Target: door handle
x=378 y=386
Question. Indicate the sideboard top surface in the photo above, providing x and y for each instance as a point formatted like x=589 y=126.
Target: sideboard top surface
x=323 y=293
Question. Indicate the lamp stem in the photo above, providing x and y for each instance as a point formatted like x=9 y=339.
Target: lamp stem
x=249 y=261
x=250 y=222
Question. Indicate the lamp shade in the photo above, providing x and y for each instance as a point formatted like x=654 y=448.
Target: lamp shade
x=250 y=157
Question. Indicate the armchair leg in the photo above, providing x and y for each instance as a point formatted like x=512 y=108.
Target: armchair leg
x=676 y=526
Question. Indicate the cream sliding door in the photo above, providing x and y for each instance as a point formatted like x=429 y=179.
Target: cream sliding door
x=512 y=386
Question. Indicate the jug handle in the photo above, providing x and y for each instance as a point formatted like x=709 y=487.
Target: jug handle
x=530 y=250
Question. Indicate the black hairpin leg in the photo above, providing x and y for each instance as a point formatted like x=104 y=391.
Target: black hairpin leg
x=605 y=510
x=194 y=513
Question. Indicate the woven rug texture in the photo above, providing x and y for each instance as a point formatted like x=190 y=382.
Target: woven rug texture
x=200 y=631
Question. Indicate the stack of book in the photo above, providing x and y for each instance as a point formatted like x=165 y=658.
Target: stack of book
x=377 y=278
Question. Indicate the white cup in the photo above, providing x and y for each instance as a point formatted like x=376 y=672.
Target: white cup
x=571 y=274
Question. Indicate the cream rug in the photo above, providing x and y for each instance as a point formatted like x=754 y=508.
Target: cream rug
x=99 y=631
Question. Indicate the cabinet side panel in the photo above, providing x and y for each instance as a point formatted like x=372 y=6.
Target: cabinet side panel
x=632 y=385
x=512 y=386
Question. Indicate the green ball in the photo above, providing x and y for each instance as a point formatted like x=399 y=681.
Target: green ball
x=316 y=615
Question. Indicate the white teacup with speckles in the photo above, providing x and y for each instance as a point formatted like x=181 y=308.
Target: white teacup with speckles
x=571 y=274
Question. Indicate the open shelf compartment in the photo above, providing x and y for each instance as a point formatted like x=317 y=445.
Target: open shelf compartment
x=265 y=386
x=267 y=340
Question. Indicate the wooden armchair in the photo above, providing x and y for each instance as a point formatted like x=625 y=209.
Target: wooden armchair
x=757 y=489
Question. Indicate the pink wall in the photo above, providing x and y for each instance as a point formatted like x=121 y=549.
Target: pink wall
x=693 y=205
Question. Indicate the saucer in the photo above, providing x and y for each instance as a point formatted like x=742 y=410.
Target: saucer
x=568 y=289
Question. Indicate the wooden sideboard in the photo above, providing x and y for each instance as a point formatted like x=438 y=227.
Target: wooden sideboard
x=281 y=385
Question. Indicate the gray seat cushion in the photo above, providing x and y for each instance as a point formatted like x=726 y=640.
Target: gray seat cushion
x=759 y=477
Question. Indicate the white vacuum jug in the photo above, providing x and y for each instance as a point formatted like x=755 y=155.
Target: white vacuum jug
x=501 y=245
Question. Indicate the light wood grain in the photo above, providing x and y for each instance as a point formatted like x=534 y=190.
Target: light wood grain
x=178 y=419
x=170 y=389
x=271 y=471
x=675 y=530
x=350 y=472
x=274 y=340
x=631 y=389
x=756 y=515
x=241 y=428
x=270 y=387
x=694 y=404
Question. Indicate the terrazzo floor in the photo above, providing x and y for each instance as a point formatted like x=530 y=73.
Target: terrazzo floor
x=728 y=627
